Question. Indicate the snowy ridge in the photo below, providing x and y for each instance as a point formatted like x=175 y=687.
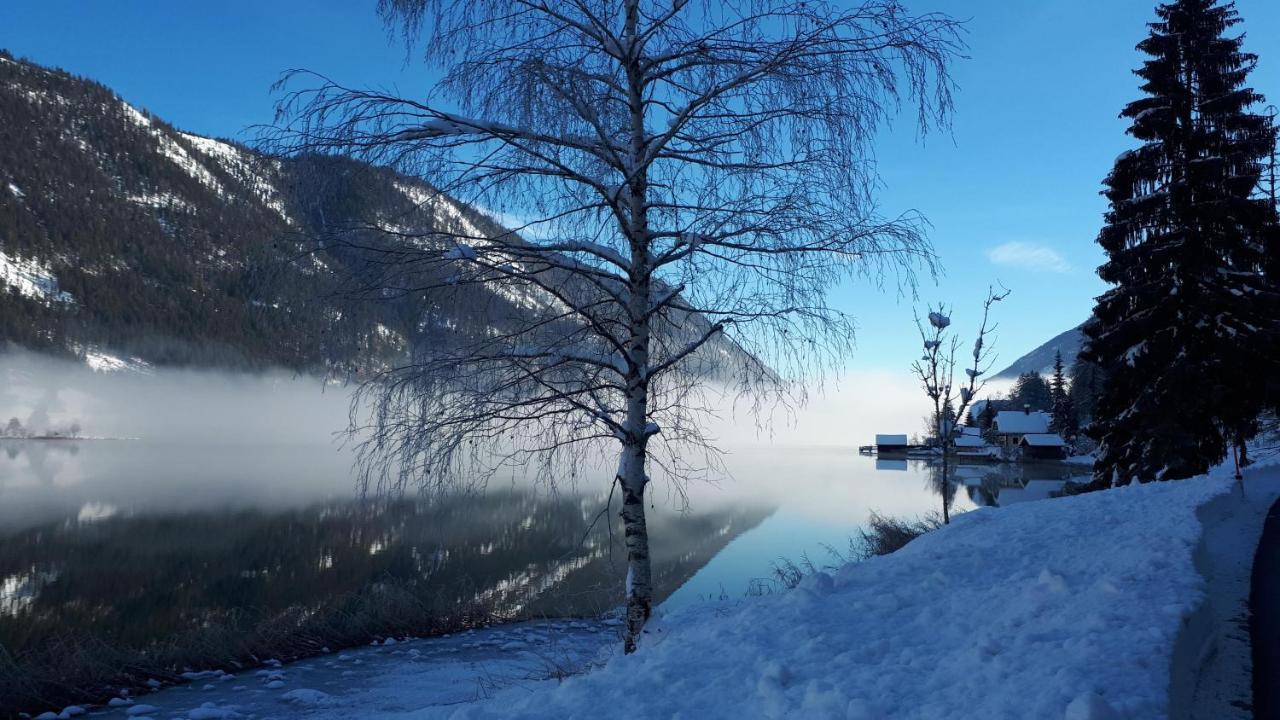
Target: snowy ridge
x=1040 y=359
x=245 y=167
x=448 y=215
x=1060 y=608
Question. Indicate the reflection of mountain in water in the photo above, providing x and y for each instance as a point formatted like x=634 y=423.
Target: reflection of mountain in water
x=244 y=581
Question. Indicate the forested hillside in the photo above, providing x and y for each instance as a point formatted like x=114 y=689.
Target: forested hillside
x=120 y=234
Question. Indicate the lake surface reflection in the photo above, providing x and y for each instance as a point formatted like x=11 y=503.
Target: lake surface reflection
x=144 y=545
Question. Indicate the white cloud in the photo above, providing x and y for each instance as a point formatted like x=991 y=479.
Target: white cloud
x=1029 y=256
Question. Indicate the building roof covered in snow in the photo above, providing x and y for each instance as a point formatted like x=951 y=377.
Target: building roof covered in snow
x=1044 y=440
x=970 y=431
x=969 y=441
x=891 y=439
x=1021 y=422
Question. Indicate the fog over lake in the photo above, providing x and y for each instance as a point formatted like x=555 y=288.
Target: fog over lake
x=207 y=505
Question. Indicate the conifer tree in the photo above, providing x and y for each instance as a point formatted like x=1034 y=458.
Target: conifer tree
x=1185 y=333
x=1031 y=391
x=1064 y=411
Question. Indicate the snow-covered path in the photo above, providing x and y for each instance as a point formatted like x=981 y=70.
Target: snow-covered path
x=1214 y=659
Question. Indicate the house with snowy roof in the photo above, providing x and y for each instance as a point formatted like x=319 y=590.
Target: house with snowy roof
x=1010 y=426
x=1043 y=446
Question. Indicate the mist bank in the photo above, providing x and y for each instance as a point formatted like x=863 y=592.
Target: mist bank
x=216 y=440
x=280 y=406
x=169 y=405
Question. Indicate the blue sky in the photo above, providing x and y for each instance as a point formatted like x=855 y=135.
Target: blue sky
x=1011 y=192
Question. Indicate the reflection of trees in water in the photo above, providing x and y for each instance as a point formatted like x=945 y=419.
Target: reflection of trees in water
x=983 y=482
x=38 y=455
x=133 y=581
x=943 y=487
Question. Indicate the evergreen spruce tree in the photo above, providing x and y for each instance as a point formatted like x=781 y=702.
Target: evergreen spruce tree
x=1184 y=336
x=1031 y=390
x=988 y=415
x=1064 y=411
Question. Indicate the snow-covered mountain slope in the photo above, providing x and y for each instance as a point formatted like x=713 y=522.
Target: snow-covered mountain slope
x=123 y=235
x=1041 y=359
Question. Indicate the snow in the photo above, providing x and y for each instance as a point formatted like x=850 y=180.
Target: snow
x=1215 y=667
x=171 y=149
x=460 y=252
x=1020 y=422
x=17 y=191
x=1006 y=613
x=31 y=279
x=387 y=679
x=135 y=115
x=939 y=320
x=244 y=166
x=102 y=362
x=1044 y=440
x=161 y=200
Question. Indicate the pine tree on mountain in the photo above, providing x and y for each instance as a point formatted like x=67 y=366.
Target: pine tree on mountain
x=1186 y=333
x=1063 y=409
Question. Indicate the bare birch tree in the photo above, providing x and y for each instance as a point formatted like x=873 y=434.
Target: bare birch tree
x=683 y=182
x=936 y=371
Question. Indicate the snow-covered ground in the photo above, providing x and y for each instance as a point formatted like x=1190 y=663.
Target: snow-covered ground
x=383 y=680
x=1062 y=608
x=1059 y=608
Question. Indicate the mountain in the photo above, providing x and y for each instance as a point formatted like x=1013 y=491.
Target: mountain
x=126 y=241
x=1041 y=359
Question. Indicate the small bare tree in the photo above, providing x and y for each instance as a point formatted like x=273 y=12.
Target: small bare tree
x=683 y=179
x=936 y=370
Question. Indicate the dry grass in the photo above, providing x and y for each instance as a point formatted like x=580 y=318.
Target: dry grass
x=883 y=535
x=880 y=536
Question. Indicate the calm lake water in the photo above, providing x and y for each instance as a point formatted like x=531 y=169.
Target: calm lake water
x=136 y=542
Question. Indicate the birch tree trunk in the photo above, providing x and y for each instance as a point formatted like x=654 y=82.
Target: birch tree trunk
x=635 y=446
x=633 y=480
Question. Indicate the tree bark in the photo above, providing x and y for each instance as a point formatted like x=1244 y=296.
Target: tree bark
x=632 y=479
x=632 y=475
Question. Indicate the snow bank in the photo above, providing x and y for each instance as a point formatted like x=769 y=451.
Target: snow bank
x=1065 y=608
